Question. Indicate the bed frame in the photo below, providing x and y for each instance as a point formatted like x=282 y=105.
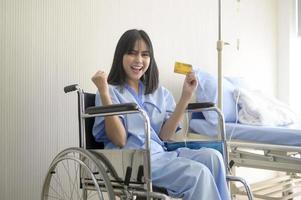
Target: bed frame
x=286 y=159
x=271 y=157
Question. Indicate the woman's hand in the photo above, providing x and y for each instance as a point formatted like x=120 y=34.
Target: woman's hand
x=101 y=82
x=189 y=86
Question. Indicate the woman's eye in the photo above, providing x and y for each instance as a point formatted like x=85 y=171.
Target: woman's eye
x=145 y=54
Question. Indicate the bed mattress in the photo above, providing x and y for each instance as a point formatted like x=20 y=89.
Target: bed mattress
x=288 y=135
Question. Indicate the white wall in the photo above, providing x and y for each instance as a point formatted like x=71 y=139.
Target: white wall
x=289 y=59
x=284 y=30
x=254 y=23
x=48 y=44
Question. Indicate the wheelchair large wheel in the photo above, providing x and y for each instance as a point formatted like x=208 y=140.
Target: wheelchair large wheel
x=76 y=174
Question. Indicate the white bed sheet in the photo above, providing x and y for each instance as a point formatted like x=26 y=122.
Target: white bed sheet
x=288 y=136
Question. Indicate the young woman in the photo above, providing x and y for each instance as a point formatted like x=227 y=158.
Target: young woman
x=185 y=173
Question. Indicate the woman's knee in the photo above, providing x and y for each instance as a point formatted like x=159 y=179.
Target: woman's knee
x=214 y=155
x=197 y=172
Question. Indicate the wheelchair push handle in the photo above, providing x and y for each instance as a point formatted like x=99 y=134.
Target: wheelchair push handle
x=71 y=88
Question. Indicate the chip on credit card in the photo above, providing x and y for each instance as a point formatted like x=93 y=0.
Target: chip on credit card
x=182 y=68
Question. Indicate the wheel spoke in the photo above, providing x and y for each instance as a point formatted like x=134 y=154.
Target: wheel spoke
x=58 y=181
x=56 y=192
x=76 y=181
x=92 y=194
x=72 y=176
x=53 y=197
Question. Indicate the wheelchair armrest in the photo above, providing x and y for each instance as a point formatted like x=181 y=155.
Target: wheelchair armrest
x=194 y=106
x=112 y=108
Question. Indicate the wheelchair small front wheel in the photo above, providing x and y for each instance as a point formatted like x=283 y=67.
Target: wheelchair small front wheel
x=75 y=174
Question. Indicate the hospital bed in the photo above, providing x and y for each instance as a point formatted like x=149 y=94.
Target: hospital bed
x=92 y=172
x=275 y=148
x=263 y=147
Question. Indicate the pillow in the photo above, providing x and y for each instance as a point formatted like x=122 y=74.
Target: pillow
x=207 y=92
x=239 y=82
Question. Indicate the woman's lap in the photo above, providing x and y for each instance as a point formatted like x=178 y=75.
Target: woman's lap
x=179 y=171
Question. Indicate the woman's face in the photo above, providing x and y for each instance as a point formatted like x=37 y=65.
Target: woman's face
x=136 y=61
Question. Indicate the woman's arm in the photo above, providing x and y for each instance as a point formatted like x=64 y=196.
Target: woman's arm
x=170 y=126
x=115 y=130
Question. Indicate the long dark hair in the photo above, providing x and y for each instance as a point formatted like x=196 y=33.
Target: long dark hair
x=126 y=43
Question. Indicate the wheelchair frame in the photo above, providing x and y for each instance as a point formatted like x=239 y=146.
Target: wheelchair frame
x=96 y=167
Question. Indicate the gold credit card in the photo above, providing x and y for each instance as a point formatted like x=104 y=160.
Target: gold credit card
x=182 y=68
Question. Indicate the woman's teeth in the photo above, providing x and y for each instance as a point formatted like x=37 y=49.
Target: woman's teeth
x=136 y=68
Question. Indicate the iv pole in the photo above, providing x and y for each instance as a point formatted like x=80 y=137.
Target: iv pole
x=219 y=46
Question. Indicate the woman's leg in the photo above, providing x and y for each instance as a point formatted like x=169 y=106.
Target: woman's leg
x=184 y=177
x=212 y=159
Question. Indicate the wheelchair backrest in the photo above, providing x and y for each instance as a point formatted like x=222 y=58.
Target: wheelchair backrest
x=89 y=101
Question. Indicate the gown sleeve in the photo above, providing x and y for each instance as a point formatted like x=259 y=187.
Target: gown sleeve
x=99 y=123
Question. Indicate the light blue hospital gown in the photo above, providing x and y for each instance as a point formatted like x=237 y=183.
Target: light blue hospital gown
x=185 y=173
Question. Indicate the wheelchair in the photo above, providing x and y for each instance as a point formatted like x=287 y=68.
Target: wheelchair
x=91 y=172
